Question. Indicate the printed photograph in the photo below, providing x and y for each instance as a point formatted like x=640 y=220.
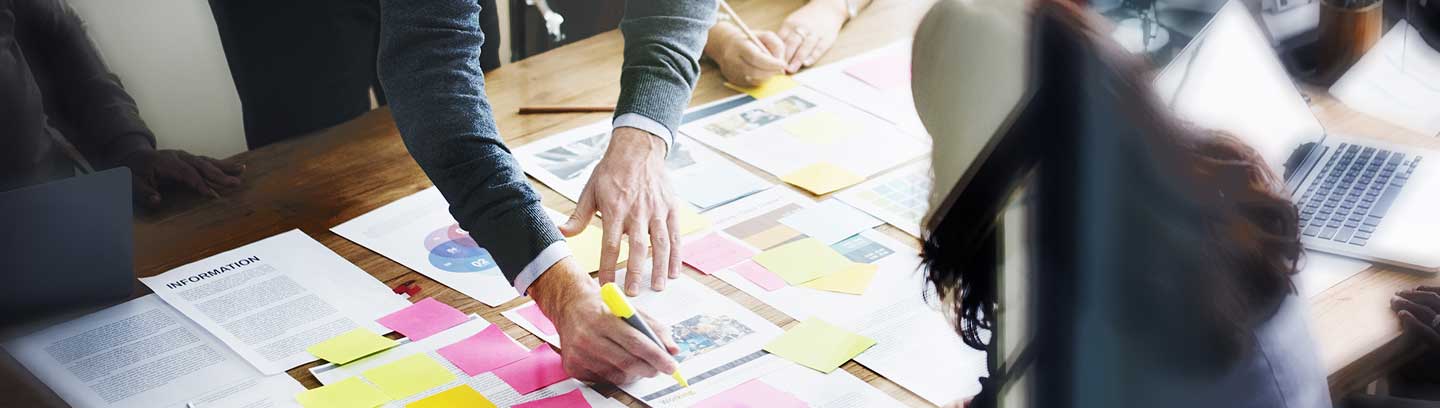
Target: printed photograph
x=702 y=333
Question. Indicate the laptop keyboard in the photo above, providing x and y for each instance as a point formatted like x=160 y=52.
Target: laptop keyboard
x=1355 y=188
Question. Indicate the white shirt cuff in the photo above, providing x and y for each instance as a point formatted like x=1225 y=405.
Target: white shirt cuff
x=638 y=121
x=542 y=262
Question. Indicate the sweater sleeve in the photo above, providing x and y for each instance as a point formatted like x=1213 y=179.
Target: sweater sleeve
x=430 y=67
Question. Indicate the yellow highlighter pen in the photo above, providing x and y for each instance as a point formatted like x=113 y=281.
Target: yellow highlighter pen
x=621 y=308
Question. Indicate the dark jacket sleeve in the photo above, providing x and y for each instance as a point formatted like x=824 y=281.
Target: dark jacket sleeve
x=430 y=68
x=663 y=43
x=103 y=120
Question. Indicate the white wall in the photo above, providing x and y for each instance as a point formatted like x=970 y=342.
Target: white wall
x=168 y=54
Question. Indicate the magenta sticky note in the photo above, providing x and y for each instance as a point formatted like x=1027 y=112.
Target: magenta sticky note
x=884 y=72
x=572 y=399
x=538 y=370
x=714 y=253
x=759 y=276
x=423 y=319
x=532 y=313
x=753 y=393
x=485 y=351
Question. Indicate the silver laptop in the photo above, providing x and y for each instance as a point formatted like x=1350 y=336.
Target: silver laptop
x=1357 y=197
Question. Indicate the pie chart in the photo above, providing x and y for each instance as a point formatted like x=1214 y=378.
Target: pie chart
x=452 y=250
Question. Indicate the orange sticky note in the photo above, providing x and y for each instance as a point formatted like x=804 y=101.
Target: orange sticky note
x=822 y=178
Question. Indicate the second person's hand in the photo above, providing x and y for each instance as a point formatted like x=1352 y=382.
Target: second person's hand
x=810 y=31
x=744 y=63
x=631 y=190
x=1417 y=310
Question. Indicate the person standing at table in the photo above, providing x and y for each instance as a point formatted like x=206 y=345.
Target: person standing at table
x=1183 y=290
x=429 y=53
x=805 y=35
x=61 y=109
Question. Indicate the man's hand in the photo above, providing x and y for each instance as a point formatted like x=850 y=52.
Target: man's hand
x=596 y=346
x=1417 y=310
x=631 y=190
x=154 y=169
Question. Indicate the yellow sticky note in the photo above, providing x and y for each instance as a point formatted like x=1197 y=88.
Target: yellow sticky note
x=802 y=261
x=819 y=128
x=350 y=393
x=822 y=178
x=350 y=346
x=409 y=376
x=691 y=221
x=459 y=397
x=586 y=249
x=853 y=279
x=772 y=86
x=819 y=345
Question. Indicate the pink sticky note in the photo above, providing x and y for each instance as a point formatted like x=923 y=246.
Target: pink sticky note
x=532 y=313
x=423 y=319
x=884 y=72
x=714 y=253
x=759 y=276
x=572 y=399
x=753 y=393
x=536 y=371
x=485 y=351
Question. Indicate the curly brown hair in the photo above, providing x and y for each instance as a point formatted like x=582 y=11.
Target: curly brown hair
x=1218 y=210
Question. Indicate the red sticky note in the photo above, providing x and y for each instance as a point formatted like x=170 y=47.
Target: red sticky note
x=572 y=399
x=532 y=313
x=759 y=276
x=884 y=72
x=713 y=253
x=423 y=319
x=540 y=369
x=753 y=393
x=484 y=352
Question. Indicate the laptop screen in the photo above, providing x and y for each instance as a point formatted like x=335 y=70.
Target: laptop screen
x=1230 y=79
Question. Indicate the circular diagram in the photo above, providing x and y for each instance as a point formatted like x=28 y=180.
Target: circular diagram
x=452 y=250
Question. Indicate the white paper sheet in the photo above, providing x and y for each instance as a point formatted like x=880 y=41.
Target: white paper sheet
x=895 y=104
x=830 y=221
x=757 y=133
x=1320 y=271
x=417 y=231
x=489 y=385
x=143 y=353
x=893 y=310
x=564 y=161
x=271 y=299
x=1396 y=81
x=900 y=197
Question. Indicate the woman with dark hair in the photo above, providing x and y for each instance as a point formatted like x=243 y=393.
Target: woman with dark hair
x=1169 y=246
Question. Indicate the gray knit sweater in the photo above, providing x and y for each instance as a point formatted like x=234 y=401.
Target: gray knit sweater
x=430 y=69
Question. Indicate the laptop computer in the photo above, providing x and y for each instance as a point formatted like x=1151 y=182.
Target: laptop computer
x=1357 y=197
x=66 y=245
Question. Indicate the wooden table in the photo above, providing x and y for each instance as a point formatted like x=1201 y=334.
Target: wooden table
x=318 y=181
x=321 y=180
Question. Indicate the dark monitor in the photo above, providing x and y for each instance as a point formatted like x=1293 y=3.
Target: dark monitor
x=66 y=245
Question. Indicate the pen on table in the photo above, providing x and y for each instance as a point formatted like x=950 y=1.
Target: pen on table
x=725 y=7
x=621 y=308
x=527 y=110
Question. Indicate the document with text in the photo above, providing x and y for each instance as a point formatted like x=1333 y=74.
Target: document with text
x=144 y=353
x=893 y=308
x=271 y=299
